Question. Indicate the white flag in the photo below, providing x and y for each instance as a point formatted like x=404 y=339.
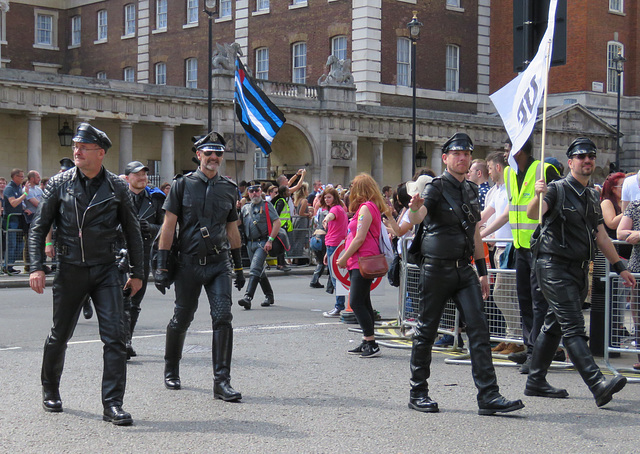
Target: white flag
x=518 y=101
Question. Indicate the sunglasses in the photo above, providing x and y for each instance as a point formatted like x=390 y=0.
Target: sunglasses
x=250 y=190
x=208 y=152
x=591 y=156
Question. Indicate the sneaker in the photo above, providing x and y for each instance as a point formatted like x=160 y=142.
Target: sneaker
x=358 y=350
x=333 y=313
x=316 y=285
x=370 y=351
x=284 y=268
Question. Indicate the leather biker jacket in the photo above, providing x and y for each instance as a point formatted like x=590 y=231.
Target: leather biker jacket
x=86 y=229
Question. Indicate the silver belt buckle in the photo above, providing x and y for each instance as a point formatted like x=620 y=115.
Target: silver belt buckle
x=204 y=231
x=202 y=261
x=459 y=263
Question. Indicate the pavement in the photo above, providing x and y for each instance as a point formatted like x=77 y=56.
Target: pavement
x=301 y=391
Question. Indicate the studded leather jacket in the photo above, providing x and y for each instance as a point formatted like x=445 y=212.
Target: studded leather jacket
x=86 y=232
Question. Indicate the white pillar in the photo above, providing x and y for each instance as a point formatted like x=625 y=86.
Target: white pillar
x=126 y=145
x=436 y=159
x=34 y=143
x=167 y=168
x=407 y=160
x=376 y=160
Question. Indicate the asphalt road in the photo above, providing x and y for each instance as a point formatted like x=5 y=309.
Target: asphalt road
x=301 y=391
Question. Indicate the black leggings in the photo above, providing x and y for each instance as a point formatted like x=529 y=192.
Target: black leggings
x=360 y=301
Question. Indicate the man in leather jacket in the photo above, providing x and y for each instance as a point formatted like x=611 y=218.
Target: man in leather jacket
x=87 y=203
x=148 y=205
x=450 y=211
x=203 y=205
x=565 y=245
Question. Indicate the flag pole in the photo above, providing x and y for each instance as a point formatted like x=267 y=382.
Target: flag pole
x=544 y=126
x=235 y=149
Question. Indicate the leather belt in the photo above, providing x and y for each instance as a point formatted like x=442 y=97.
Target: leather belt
x=195 y=260
x=459 y=263
x=562 y=261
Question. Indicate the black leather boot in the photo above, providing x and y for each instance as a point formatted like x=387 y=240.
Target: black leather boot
x=315 y=280
x=544 y=351
x=265 y=285
x=222 y=348
x=51 y=400
x=420 y=372
x=251 y=290
x=133 y=319
x=580 y=354
x=172 y=356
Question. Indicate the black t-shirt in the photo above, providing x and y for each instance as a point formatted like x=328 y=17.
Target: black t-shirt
x=187 y=199
x=443 y=236
x=572 y=238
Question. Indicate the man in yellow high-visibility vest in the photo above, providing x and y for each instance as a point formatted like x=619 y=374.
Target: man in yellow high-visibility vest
x=520 y=186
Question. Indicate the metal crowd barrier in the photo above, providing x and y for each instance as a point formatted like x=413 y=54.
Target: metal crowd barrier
x=622 y=323
x=299 y=238
x=13 y=253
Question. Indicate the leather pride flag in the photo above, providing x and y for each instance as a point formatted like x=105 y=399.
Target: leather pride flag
x=259 y=117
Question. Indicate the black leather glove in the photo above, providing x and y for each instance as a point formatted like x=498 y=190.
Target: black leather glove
x=145 y=228
x=240 y=280
x=161 y=275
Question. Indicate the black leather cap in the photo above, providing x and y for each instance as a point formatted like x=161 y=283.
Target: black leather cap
x=581 y=145
x=458 y=141
x=66 y=164
x=135 y=167
x=89 y=134
x=213 y=140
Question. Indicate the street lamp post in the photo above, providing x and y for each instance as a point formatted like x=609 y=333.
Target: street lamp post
x=414 y=33
x=619 y=62
x=210 y=7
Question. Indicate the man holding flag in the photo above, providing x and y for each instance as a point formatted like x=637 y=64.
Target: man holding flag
x=517 y=103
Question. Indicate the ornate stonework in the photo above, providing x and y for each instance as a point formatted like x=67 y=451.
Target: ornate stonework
x=341 y=150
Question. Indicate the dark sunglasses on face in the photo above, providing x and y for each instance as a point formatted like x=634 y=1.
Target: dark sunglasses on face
x=252 y=189
x=591 y=156
x=208 y=153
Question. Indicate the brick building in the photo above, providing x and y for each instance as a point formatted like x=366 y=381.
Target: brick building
x=596 y=31
x=138 y=70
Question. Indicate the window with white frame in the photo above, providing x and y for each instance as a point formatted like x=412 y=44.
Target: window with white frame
x=453 y=68
x=299 y=2
x=76 y=30
x=262 y=5
x=262 y=165
x=339 y=47
x=129 y=74
x=161 y=14
x=102 y=25
x=191 y=73
x=404 y=62
x=44 y=29
x=225 y=8
x=299 y=75
x=192 y=11
x=129 y=19
x=454 y=3
x=616 y=6
x=3 y=30
x=161 y=73
x=613 y=49
x=262 y=63
x=101 y=75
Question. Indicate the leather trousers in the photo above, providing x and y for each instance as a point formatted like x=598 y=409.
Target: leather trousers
x=533 y=305
x=71 y=285
x=215 y=278
x=565 y=288
x=437 y=285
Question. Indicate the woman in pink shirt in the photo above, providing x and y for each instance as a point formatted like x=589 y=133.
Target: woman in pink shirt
x=363 y=237
x=335 y=224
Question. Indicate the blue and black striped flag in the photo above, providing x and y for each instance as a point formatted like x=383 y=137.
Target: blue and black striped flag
x=259 y=117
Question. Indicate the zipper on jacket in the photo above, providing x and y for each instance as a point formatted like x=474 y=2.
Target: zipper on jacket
x=81 y=224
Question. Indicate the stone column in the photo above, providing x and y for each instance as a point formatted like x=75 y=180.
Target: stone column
x=167 y=168
x=34 y=143
x=376 y=160
x=126 y=145
x=407 y=160
x=436 y=159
